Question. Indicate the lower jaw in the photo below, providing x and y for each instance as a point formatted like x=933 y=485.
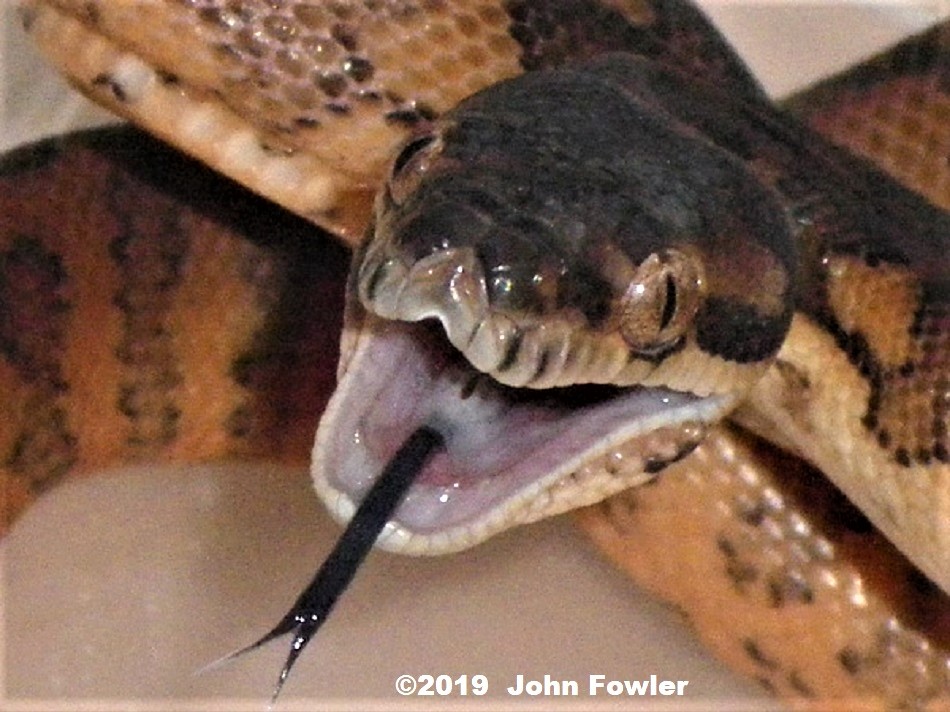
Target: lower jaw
x=512 y=456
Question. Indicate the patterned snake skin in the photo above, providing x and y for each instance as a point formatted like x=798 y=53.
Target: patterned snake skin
x=775 y=554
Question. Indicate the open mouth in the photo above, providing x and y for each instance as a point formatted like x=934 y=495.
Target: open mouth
x=511 y=455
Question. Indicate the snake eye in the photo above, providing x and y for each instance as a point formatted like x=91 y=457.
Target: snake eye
x=659 y=305
x=410 y=166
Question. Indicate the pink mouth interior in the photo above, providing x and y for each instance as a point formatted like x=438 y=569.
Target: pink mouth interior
x=499 y=440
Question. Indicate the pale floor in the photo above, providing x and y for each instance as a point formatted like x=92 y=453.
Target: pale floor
x=115 y=591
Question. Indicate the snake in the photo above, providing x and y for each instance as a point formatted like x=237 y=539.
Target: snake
x=598 y=260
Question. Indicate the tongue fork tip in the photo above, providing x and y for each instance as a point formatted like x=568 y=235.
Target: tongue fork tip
x=314 y=604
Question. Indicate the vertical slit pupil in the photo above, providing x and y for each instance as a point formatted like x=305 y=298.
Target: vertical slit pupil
x=669 y=305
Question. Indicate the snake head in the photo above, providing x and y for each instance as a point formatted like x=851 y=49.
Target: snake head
x=558 y=245
x=569 y=296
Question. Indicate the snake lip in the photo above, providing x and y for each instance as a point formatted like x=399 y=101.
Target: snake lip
x=512 y=455
x=517 y=349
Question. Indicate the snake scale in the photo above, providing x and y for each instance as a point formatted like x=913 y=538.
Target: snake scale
x=307 y=103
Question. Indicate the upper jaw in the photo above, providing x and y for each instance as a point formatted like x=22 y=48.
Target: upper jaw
x=512 y=456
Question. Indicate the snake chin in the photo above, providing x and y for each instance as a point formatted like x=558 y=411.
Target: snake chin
x=512 y=455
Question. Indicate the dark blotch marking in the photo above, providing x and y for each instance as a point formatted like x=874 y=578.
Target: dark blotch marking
x=358 y=69
x=142 y=184
x=89 y=13
x=240 y=422
x=116 y=89
x=367 y=96
x=307 y=122
x=755 y=653
x=851 y=660
x=939 y=427
x=737 y=332
x=789 y=588
x=941 y=452
x=410 y=115
x=337 y=107
x=149 y=253
x=297 y=287
x=726 y=547
x=33 y=307
x=346 y=36
x=752 y=515
x=167 y=78
x=902 y=457
x=333 y=85
x=406 y=117
x=45 y=450
x=28 y=17
x=34 y=314
x=740 y=573
x=885 y=384
x=800 y=686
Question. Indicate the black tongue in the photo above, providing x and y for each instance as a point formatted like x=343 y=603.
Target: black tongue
x=313 y=606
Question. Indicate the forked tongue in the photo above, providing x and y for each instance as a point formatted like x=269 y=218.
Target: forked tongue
x=463 y=457
x=314 y=604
